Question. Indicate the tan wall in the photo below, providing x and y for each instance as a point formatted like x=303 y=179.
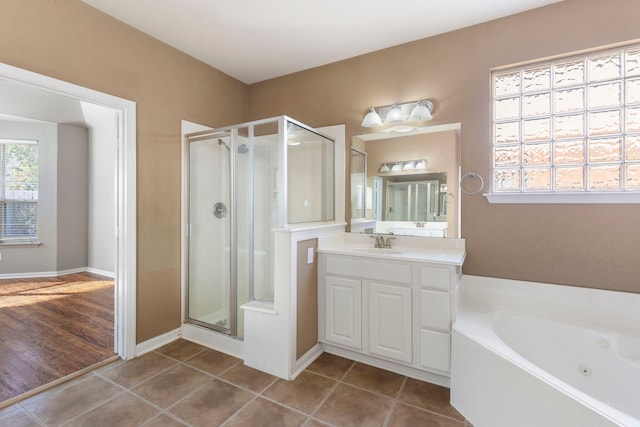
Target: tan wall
x=583 y=245
x=71 y=41
x=587 y=245
x=306 y=298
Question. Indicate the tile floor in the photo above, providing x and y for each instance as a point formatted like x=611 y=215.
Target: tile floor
x=185 y=384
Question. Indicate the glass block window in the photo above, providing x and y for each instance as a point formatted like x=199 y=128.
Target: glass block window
x=570 y=125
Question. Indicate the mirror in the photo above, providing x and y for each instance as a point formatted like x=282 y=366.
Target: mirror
x=410 y=184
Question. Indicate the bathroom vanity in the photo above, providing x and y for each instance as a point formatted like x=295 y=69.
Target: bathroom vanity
x=390 y=307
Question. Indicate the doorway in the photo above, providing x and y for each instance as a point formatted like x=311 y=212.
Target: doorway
x=124 y=112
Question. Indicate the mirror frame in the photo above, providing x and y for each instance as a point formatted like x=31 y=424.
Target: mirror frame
x=453 y=177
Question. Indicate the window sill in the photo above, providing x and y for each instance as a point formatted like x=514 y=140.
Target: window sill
x=564 y=198
x=20 y=244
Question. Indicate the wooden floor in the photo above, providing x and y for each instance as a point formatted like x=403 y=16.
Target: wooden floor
x=52 y=327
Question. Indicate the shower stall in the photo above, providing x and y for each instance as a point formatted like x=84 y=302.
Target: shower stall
x=244 y=182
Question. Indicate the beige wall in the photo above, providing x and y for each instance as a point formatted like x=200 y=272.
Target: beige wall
x=306 y=298
x=71 y=41
x=581 y=245
x=586 y=245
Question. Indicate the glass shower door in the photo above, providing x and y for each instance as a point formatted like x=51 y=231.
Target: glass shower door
x=210 y=281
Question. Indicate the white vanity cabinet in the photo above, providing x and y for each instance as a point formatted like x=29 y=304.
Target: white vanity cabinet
x=388 y=309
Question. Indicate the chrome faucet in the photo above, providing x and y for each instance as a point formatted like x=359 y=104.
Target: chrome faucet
x=381 y=242
x=387 y=243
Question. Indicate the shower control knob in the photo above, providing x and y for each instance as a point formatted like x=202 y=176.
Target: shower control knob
x=219 y=210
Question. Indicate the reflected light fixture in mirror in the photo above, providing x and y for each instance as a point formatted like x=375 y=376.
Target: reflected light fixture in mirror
x=405 y=165
x=399 y=117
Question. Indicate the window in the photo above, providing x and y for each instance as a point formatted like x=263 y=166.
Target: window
x=18 y=190
x=568 y=126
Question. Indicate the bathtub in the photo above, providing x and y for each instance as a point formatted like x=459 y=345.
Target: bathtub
x=540 y=355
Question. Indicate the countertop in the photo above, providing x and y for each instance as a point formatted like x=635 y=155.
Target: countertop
x=416 y=249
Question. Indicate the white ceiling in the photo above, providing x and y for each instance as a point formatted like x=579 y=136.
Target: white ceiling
x=255 y=40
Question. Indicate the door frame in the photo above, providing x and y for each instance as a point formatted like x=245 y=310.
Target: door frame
x=125 y=179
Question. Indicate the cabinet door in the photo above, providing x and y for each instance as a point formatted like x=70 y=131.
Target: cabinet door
x=390 y=321
x=343 y=312
x=435 y=350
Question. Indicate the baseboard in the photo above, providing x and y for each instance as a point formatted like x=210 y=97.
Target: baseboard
x=42 y=273
x=105 y=273
x=398 y=368
x=307 y=359
x=157 y=342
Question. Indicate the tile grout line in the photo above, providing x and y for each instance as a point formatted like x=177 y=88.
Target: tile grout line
x=32 y=415
x=100 y=374
x=164 y=411
x=218 y=377
x=92 y=408
x=249 y=402
x=41 y=422
x=395 y=400
x=333 y=389
x=394 y=403
x=174 y=418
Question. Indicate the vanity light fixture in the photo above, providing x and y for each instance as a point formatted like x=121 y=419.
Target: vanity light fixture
x=399 y=117
x=406 y=165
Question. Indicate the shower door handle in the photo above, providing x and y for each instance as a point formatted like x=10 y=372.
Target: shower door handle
x=219 y=210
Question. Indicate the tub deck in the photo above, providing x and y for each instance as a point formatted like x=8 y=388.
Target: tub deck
x=500 y=350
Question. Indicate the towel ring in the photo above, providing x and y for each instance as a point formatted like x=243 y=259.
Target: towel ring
x=472 y=175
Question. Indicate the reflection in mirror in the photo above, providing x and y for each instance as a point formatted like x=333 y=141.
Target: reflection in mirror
x=411 y=198
x=402 y=199
x=358 y=183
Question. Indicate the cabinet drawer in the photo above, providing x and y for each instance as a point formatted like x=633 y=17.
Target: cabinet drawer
x=374 y=270
x=434 y=350
x=435 y=277
x=435 y=309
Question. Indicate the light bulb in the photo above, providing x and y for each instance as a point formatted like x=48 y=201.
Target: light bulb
x=395 y=115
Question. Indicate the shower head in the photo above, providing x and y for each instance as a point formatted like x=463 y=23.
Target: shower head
x=242 y=148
